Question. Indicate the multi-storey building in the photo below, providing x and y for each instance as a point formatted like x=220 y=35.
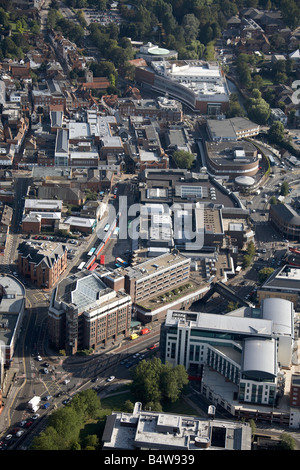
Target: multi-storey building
x=43 y=264
x=12 y=310
x=85 y=313
x=222 y=130
x=199 y=85
x=152 y=430
x=156 y=276
x=232 y=159
x=286 y=219
x=238 y=355
x=161 y=108
x=283 y=283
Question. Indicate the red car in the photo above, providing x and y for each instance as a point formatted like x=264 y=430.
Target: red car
x=28 y=424
x=153 y=346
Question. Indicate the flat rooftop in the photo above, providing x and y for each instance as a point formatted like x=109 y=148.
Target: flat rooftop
x=156 y=430
x=286 y=277
x=42 y=204
x=154 y=265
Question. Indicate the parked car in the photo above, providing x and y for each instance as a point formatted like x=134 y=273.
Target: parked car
x=110 y=379
x=19 y=433
x=28 y=424
x=35 y=416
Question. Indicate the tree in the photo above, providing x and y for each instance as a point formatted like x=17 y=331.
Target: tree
x=284 y=190
x=276 y=132
x=288 y=442
x=91 y=442
x=154 y=382
x=128 y=406
x=235 y=110
x=87 y=403
x=264 y=273
x=258 y=109
x=232 y=306
x=251 y=249
x=247 y=260
x=183 y=159
x=190 y=25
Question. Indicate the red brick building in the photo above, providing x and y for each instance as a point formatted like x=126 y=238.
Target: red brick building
x=42 y=266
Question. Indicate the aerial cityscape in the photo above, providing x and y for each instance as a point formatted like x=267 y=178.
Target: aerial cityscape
x=149 y=227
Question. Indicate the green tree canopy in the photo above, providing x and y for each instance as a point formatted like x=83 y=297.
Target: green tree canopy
x=284 y=190
x=258 y=109
x=264 y=273
x=154 y=382
x=87 y=403
x=276 y=132
x=183 y=159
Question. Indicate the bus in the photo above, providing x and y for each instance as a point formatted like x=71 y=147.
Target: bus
x=106 y=228
x=91 y=252
x=121 y=261
x=80 y=267
x=272 y=161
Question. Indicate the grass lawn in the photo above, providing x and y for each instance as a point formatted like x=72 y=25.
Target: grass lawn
x=116 y=403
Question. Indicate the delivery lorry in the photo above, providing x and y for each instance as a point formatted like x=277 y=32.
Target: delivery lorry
x=145 y=331
x=34 y=404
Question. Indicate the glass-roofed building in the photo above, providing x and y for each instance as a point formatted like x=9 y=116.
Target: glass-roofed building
x=85 y=313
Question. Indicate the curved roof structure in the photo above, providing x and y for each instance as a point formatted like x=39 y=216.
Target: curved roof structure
x=280 y=311
x=259 y=360
x=245 y=180
x=158 y=51
x=286 y=213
